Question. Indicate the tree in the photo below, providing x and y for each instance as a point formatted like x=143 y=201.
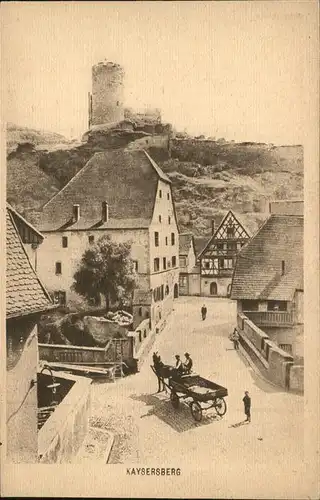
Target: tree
x=106 y=268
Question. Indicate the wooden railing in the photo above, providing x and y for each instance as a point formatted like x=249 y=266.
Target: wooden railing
x=113 y=352
x=270 y=318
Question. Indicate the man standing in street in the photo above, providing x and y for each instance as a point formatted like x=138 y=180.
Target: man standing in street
x=203 y=312
x=247 y=406
x=235 y=339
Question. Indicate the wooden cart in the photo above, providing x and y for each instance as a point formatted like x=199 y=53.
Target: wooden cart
x=199 y=393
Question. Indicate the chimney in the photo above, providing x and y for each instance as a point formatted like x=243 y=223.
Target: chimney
x=283 y=267
x=105 y=212
x=75 y=213
x=212 y=226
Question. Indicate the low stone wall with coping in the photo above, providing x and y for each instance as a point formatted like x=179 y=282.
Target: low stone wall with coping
x=274 y=363
x=62 y=435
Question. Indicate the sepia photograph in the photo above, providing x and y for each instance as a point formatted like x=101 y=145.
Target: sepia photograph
x=158 y=171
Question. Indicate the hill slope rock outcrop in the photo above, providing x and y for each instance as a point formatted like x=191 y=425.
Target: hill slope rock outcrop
x=208 y=177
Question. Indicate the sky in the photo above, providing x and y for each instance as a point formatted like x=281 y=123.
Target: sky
x=237 y=70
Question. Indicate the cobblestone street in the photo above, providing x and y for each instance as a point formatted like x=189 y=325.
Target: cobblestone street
x=148 y=429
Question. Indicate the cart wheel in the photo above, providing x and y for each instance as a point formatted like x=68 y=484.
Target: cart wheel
x=220 y=406
x=174 y=400
x=196 y=411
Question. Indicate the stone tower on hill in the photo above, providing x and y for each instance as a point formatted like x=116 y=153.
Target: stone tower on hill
x=106 y=100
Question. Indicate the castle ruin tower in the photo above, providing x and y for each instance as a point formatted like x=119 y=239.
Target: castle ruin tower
x=106 y=100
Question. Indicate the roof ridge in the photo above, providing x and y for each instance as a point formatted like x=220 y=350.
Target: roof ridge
x=155 y=166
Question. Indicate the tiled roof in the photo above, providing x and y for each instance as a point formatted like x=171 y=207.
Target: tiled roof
x=142 y=298
x=200 y=242
x=258 y=270
x=185 y=240
x=126 y=180
x=24 y=292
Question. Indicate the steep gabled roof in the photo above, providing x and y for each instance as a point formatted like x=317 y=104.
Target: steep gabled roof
x=230 y=218
x=25 y=294
x=185 y=241
x=200 y=242
x=28 y=233
x=258 y=271
x=126 y=179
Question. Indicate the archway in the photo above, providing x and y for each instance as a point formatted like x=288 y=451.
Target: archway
x=175 y=291
x=213 y=288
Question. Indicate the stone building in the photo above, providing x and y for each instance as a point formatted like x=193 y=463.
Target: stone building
x=106 y=99
x=123 y=194
x=218 y=257
x=268 y=277
x=26 y=299
x=189 y=283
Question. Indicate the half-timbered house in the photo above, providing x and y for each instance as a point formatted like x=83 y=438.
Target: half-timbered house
x=217 y=259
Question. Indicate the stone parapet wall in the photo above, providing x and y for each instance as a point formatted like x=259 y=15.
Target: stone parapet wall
x=274 y=363
x=63 y=433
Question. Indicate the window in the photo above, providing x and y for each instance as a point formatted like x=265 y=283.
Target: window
x=162 y=292
x=156 y=264
x=239 y=245
x=160 y=193
x=160 y=218
x=164 y=263
x=58 y=268
x=166 y=240
x=225 y=264
x=174 y=261
x=230 y=232
x=118 y=103
x=169 y=220
x=220 y=246
x=140 y=311
x=172 y=238
x=91 y=239
x=156 y=239
x=182 y=261
x=167 y=290
x=183 y=281
x=135 y=265
x=207 y=265
x=168 y=198
x=232 y=247
x=64 y=242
